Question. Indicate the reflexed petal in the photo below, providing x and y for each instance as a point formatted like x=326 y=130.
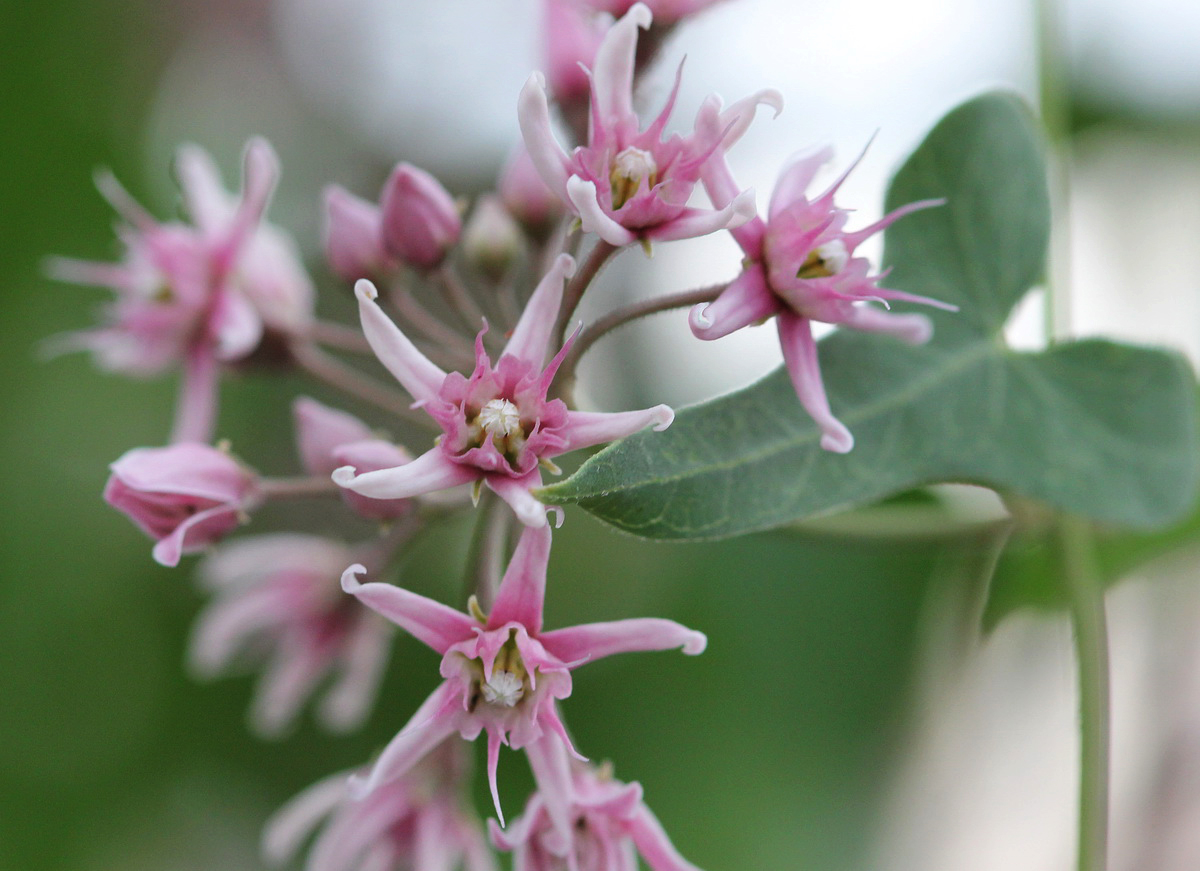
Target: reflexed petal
x=533 y=113
x=430 y=725
x=654 y=845
x=429 y=621
x=796 y=177
x=592 y=641
x=552 y=772
x=523 y=589
x=195 y=533
x=915 y=329
x=745 y=301
x=515 y=491
x=592 y=216
x=125 y=205
x=586 y=428
x=320 y=430
x=223 y=626
x=205 y=199
x=285 y=685
x=287 y=828
x=196 y=404
x=433 y=470
x=420 y=377
x=612 y=77
x=531 y=336
x=700 y=222
x=364 y=658
x=800 y=357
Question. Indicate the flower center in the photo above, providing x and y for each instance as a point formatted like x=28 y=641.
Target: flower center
x=500 y=418
x=509 y=680
x=629 y=167
x=505 y=688
x=825 y=260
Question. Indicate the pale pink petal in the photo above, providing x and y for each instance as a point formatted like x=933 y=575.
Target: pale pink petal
x=433 y=470
x=612 y=76
x=184 y=469
x=546 y=155
x=434 y=721
x=351 y=234
x=551 y=768
x=195 y=533
x=531 y=336
x=125 y=205
x=88 y=272
x=915 y=329
x=287 y=828
x=796 y=177
x=415 y=372
x=435 y=842
x=236 y=325
x=223 y=627
x=654 y=845
x=853 y=240
x=692 y=223
x=285 y=685
x=592 y=216
x=592 y=641
x=586 y=428
x=735 y=120
x=723 y=189
x=320 y=430
x=515 y=491
x=248 y=561
x=204 y=198
x=196 y=405
x=429 y=621
x=357 y=827
x=495 y=737
x=745 y=301
x=800 y=357
x=523 y=590
x=348 y=702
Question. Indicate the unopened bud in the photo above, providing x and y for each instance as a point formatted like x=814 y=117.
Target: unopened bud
x=571 y=34
x=352 y=235
x=420 y=219
x=526 y=196
x=492 y=239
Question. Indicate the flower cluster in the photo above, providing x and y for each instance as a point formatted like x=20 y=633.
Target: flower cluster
x=468 y=308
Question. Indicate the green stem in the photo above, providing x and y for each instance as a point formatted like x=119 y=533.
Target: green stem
x=573 y=293
x=1091 y=651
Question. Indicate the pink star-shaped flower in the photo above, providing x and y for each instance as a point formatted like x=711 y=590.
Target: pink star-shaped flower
x=499 y=425
x=502 y=672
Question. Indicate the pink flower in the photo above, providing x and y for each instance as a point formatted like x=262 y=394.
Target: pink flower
x=802 y=267
x=416 y=822
x=582 y=819
x=328 y=439
x=499 y=426
x=526 y=196
x=665 y=11
x=200 y=293
x=420 y=221
x=185 y=496
x=628 y=184
x=502 y=673
x=353 y=236
x=277 y=598
x=571 y=35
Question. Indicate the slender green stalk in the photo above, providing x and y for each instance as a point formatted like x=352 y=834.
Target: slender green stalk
x=1090 y=630
x=599 y=255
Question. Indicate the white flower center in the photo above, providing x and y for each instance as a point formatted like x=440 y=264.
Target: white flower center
x=629 y=167
x=833 y=253
x=505 y=688
x=500 y=418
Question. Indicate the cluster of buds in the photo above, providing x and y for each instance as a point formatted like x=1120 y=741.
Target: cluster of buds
x=436 y=297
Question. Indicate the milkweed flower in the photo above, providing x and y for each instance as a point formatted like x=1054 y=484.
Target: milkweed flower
x=502 y=673
x=499 y=426
x=628 y=184
x=582 y=819
x=277 y=599
x=195 y=294
x=802 y=266
x=416 y=822
x=665 y=11
x=185 y=496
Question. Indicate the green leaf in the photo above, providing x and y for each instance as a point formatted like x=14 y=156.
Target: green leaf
x=1093 y=427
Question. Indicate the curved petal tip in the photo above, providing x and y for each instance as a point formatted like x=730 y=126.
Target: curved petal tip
x=837 y=438
x=663 y=416
x=365 y=290
x=350 y=582
x=695 y=644
x=344 y=476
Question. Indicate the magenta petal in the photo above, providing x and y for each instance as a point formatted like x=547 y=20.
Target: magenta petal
x=692 y=223
x=746 y=300
x=586 y=428
x=523 y=589
x=592 y=641
x=612 y=75
x=429 y=621
x=418 y=375
x=433 y=470
x=800 y=357
x=435 y=720
x=551 y=768
x=915 y=329
x=654 y=845
x=531 y=336
x=795 y=179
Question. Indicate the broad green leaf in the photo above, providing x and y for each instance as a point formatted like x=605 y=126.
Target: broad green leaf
x=1094 y=427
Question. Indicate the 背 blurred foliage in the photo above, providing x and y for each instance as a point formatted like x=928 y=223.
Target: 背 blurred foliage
x=778 y=738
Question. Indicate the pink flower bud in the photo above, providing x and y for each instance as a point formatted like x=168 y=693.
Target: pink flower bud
x=420 y=219
x=526 y=196
x=353 y=235
x=572 y=34
x=185 y=496
x=492 y=239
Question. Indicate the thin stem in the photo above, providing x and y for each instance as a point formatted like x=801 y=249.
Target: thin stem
x=600 y=254
x=1090 y=630
x=335 y=373
x=339 y=336
x=619 y=317
x=485 y=554
x=298 y=488
x=450 y=340
x=459 y=297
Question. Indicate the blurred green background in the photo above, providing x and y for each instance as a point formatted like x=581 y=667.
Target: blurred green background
x=777 y=744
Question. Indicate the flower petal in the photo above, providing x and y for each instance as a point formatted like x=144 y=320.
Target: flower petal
x=287 y=828
x=546 y=155
x=433 y=470
x=800 y=357
x=531 y=337
x=523 y=589
x=746 y=300
x=700 y=222
x=495 y=737
x=654 y=845
x=592 y=216
x=915 y=329
x=515 y=491
x=796 y=177
x=225 y=624
x=586 y=428
x=591 y=641
x=427 y=620
x=285 y=685
x=364 y=659
x=196 y=404
x=206 y=201
x=418 y=375
x=612 y=76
